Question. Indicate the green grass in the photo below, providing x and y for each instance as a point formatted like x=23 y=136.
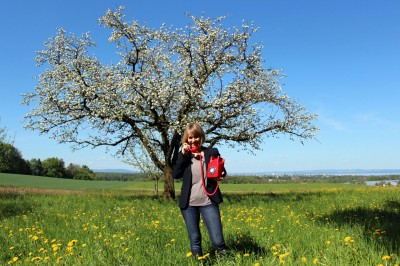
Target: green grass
x=109 y=230
x=298 y=226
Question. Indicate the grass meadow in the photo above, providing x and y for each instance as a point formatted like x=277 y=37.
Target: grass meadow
x=121 y=223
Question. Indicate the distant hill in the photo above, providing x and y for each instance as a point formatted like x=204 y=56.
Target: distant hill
x=113 y=171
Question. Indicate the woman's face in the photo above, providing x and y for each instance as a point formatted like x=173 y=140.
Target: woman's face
x=194 y=140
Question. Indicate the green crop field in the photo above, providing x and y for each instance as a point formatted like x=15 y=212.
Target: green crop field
x=116 y=224
x=14 y=180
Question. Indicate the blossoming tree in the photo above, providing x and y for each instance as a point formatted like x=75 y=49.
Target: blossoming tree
x=165 y=78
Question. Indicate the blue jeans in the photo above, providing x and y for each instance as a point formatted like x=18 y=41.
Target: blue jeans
x=211 y=219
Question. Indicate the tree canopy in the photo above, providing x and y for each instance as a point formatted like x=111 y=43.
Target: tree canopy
x=54 y=167
x=11 y=160
x=166 y=77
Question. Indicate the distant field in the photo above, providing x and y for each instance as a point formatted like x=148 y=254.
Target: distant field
x=40 y=182
x=13 y=180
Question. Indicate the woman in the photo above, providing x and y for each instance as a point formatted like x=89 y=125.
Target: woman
x=199 y=195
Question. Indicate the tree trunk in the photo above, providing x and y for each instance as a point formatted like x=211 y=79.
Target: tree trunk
x=156 y=185
x=169 y=190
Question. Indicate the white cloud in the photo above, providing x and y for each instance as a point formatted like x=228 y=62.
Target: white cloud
x=333 y=123
x=373 y=119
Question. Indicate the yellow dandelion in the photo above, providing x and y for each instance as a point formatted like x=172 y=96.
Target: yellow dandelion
x=15 y=259
x=59 y=260
x=284 y=255
x=282 y=262
x=203 y=257
x=347 y=239
x=189 y=254
x=386 y=257
x=303 y=259
x=72 y=242
x=315 y=261
x=246 y=255
x=328 y=242
x=36 y=259
x=257 y=264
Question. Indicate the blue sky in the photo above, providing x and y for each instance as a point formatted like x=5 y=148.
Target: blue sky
x=341 y=58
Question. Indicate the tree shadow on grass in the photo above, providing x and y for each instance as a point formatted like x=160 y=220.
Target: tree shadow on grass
x=245 y=243
x=240 y=244
x=380 y=224
x=13 y=205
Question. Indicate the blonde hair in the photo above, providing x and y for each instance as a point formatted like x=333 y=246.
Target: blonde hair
x=196 y=130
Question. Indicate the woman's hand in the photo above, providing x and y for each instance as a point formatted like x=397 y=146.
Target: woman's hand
x=185 y=148
x=221 y=177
